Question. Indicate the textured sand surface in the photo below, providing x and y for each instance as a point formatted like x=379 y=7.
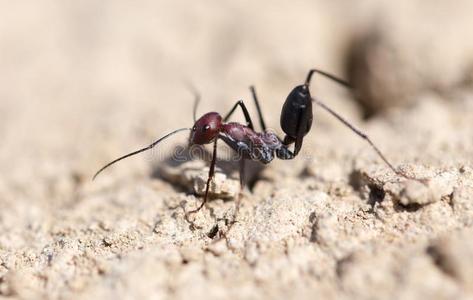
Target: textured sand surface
x=82 y=82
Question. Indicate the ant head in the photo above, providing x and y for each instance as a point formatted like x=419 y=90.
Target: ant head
x=206 y=129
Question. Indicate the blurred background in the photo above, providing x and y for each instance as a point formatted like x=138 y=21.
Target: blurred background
x=84 y=81
x=82 y=78
x=79 y=75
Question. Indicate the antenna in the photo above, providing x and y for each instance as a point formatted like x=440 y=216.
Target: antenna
x=138 y=151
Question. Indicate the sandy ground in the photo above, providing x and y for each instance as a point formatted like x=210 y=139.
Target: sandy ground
x=84 y=82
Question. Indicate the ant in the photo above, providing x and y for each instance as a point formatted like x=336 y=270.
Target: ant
x=296 y=121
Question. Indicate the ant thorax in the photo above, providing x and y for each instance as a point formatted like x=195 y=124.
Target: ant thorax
x=259 y=146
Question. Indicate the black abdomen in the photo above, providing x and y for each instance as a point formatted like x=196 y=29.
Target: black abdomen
x=297 y=111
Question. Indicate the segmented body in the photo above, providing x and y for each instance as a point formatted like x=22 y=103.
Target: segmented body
x=259 y=146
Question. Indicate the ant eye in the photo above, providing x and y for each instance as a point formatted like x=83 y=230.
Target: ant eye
x=193 y=128
x=206 y=127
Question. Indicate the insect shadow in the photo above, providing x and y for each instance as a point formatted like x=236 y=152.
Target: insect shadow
x=179 y=159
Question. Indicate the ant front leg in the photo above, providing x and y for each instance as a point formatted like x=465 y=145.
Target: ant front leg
x=209 y=179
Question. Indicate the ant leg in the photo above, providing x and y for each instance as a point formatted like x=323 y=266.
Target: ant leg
x=328 y=75
x=301 y=131
x=363 y=136
x=209 y=179
x=258 y=108
x=238 y=199
x=245 y=112
x=242 y=174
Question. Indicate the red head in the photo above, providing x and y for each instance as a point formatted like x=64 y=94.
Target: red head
x=206 y=129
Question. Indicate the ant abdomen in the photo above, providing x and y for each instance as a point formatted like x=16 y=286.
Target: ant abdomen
x=296 y=116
